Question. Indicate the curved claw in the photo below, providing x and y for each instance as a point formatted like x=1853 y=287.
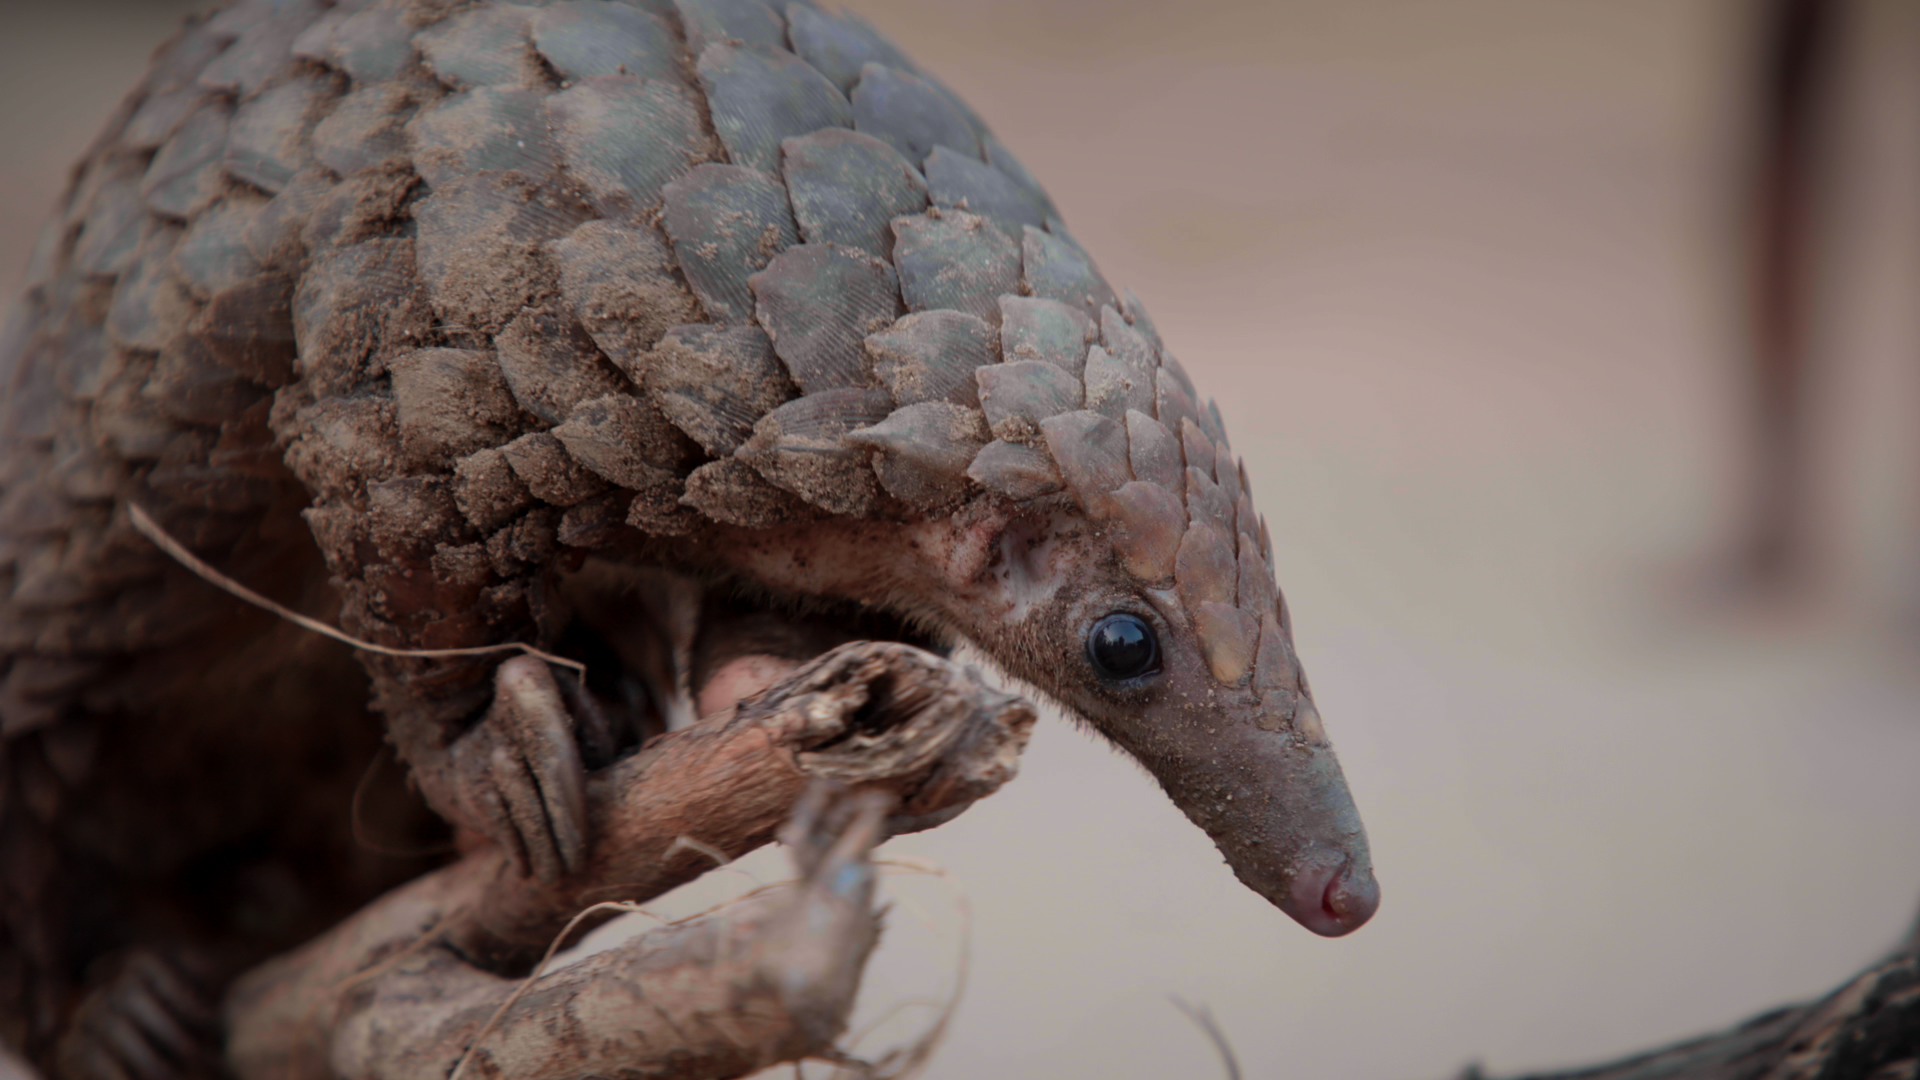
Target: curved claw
x=526 y=784
x=147 y=1023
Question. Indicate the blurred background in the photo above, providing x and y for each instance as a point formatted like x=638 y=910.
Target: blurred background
x=1470 y=280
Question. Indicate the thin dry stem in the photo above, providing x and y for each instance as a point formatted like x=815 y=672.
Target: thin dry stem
x=1202 y=1018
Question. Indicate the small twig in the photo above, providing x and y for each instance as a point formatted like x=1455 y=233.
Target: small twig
x=152 y=531
x=1203 y=1019
x=688 y=843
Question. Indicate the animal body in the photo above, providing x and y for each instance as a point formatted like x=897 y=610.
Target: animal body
x=662 y=335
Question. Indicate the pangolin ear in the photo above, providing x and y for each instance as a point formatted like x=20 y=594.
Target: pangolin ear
x=1007 y=552
x=1026 y=572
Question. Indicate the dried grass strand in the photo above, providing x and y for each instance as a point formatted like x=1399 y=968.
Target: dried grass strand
x=151 y=529
x=910 y=1061
x=1202 y=1018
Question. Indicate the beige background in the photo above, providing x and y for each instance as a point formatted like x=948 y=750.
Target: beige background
x=1461 y=273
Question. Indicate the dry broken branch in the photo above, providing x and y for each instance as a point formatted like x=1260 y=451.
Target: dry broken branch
x=408 y=986
x=1868 y=1029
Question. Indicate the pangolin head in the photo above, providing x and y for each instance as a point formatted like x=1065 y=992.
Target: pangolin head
x=1074 y=512
x=1117 y=563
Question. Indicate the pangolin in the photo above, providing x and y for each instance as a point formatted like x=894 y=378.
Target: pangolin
x=592 y=325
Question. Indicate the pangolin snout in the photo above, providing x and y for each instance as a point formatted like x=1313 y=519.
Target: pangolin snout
x=1331 y=895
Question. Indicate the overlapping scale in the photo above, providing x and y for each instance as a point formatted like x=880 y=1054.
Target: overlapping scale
x=1036 y=328
x=264 y=46
x=759 y=96
x=486 y=129
x=802 y=446
x=1139 y=320
x=1172 y=405
x=551 y=365
x=955 y=179
x=623 y=440
x=1002 y=159
x=731 y=492
x=1055 y=268
x=1018 y=395
x=1115 y=386
x=478 y=246
x=748 y=22
x=933 y=356
x=1205 y=570
x=1091 y=452
x=1247 y=521
x=1196 y=448
x=111 y=231
x=450 y=404
x=954 y=260
x=620 y=282
x=1228 y=637
x=581 y=39
x=624 y=138
x=268 y=139
x=1256 y=590
x=482 y=46
x=349 y=303
x=542 y=463
x=839 y=45
x=1018 y=471
x=1226 y=473
x=910 y=114
x=923 y=451
x=1149 y=523
x=715 y=382
x=1207 y=503
x=818 y=303
x=212 y=255
x=366 y=129
x=847 y=188
x=1153 y=453
x=726 y=223
x=187 y=173
x=373 y=44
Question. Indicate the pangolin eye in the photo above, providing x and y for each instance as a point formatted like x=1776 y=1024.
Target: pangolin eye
x=1121 y=646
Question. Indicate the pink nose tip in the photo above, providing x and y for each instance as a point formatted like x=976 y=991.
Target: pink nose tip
x=1332 y=900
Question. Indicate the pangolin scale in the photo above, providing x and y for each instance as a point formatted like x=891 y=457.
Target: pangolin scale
x=418 y=315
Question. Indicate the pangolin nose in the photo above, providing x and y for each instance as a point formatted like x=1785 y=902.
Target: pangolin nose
x=1333 y=898
x=1351 y=899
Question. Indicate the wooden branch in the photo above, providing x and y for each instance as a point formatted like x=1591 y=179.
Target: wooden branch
x=1868 y=1029
x=404 y=988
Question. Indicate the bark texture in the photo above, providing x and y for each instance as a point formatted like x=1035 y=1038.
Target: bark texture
x=404 y=988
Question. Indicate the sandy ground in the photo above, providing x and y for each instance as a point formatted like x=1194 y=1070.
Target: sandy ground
x=1461 y=275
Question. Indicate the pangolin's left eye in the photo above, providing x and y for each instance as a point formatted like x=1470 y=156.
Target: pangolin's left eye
x=1121 y=646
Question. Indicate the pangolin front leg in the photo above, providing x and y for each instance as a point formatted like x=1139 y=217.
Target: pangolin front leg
x=406 y=986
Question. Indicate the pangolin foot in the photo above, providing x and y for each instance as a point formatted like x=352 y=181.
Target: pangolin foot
x=521 y=773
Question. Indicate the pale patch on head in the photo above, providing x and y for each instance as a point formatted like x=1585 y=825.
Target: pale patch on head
x=1030 y=565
